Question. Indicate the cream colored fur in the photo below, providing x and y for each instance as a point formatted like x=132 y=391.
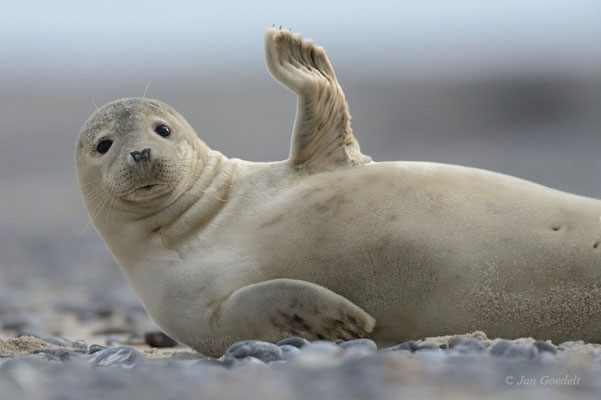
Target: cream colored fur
x=327 y=244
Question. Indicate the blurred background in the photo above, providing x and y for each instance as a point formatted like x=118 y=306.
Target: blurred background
x=509 y=86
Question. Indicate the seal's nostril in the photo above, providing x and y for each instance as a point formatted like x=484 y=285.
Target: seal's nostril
x=141 y=157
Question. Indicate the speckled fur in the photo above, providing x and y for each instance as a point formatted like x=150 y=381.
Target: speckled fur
x=330 y=245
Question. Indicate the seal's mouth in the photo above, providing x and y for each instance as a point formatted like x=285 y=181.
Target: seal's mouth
x=147 y=192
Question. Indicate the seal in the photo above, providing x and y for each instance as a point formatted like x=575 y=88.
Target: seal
x=329 y=244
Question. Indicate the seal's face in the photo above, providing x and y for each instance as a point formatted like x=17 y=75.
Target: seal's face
x=137 y=152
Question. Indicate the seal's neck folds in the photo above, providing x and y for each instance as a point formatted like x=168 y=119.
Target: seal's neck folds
x=203 y=199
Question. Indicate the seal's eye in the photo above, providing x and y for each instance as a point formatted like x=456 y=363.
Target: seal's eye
x=163 y=130
x=104 y=146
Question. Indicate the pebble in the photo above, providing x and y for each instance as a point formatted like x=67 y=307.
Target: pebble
x=527 y=351
x=58 y=341
x=410 y=345
x=319 y=369
x=322 y=347
x=500 y=347
x=289 y=351
x=29 y=332
x=103 y=310
x=293 y=341
x=545 y=347
x=124 y=356
x=570 y=344
x=62 y=354
x=469 y=346
x=366 y=344
x=426 y=347
x=263 y=351
x=79 y=344
x=95 y=348
x=159 y=339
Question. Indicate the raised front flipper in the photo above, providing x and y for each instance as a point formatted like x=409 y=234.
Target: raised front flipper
x=322 y=139
x=278 y=308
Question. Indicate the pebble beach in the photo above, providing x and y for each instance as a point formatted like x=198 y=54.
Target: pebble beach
x=109 y=348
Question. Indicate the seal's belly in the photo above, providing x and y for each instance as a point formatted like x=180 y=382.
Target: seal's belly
x=427 y=247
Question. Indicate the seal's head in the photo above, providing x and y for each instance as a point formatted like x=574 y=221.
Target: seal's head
x=137 y=155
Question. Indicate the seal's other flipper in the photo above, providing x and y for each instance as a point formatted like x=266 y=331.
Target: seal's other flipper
x=275 y=309
x=322 y=139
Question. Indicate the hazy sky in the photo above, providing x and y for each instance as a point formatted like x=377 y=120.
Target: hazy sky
x=79 y=37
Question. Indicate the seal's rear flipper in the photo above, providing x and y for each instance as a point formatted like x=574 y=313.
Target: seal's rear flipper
x=322 y=139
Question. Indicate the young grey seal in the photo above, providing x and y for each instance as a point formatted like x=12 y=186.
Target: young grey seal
x=328 y=244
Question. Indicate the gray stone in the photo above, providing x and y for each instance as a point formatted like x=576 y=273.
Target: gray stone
x=409 y=345
x=293 y=341
x=367 y=344
x=79 y=344
x=263 y=351
x=469 y=345
x=500 y=347
x=159 y=339
x=95 y=348
x=62 y=354
x=527 y=351
x=289 y=351
x=545 y=347
x=103 y=310
x=58 y=341
x=569 y=344
x=322 y=347
x=124 y=356
x=426 y=347
x=29 y=332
